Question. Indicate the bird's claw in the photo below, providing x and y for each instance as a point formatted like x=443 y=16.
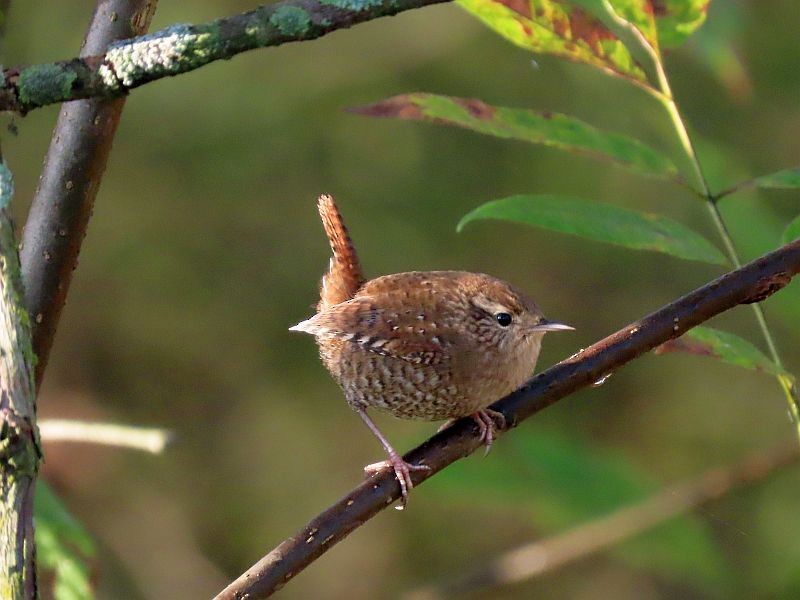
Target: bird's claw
x=488 y=421
x=402 y=471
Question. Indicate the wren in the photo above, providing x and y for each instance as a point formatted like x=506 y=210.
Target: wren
x=428 y=345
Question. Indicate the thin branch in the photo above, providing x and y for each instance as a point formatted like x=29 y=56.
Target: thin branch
x=112 y=72
x=752 y=283
x=70 y=180
x=146 y=439
x=742 y=185
x=20 y=453
x=537 y=558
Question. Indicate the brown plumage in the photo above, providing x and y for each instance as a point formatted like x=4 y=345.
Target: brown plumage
x=422 y=345
x=344 y=275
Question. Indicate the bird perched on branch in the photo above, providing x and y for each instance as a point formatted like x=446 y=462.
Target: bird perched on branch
x=428 y=345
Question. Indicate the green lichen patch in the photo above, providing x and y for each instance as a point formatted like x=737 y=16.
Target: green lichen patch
x=291 y=21
x=6 y=186
x=353 y=5
x=45 y=84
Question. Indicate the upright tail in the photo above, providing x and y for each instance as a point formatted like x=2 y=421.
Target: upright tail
x=344 y=276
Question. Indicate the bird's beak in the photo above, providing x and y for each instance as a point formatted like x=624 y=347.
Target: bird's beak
x=546 y=325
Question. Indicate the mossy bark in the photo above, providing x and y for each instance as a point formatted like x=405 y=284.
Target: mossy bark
x=130 y=63
x=19 y=445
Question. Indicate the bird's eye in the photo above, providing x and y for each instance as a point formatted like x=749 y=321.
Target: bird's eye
x=503 y=319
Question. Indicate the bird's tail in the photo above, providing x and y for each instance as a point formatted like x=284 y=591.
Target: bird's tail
x=344 y=276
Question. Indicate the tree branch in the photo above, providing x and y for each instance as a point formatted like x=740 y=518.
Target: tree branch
x=19 y=443
x=540 y=557
x=752 y=283
x=111 y=72
x=73 y=168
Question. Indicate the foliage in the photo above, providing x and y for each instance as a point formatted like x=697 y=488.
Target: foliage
x=624 y=38
x=600 y=222
x=722 y=345
x=63 y=546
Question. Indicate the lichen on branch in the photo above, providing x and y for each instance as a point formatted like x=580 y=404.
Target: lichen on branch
x=20 y=452
x=178 y=49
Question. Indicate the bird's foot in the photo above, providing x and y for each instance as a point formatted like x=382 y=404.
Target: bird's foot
x=489 y=422
x=402 y=471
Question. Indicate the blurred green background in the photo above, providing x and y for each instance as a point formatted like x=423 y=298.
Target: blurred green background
x=205 y=247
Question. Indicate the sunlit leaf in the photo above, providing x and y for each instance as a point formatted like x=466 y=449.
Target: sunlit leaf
x=676 y=20
x=638 y=13
x=559 y=28
x=63 y=546
x=600 y=222
x=792 y=231
x=727 y=347
x=785 y=180
x=663 y=23
x=561 y=484
x=538 y=127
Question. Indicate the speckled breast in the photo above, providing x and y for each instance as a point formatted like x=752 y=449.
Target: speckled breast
x=404 y=389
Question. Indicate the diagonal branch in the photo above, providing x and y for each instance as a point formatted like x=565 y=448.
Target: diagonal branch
x=73 y=168
x=111 y=72
x=543 y=556
x=751 y=283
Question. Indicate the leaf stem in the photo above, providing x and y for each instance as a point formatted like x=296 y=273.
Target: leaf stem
x=786 y=380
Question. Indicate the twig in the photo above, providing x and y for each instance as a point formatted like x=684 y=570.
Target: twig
x=785 y=381
x=147 y=439
x=753 y=282
x=70 y=180
x=19 y=445
x=537 y=558
x=178 y=49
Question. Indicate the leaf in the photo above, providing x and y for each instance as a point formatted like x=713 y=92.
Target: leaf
x=63 y=546
x=559 y=28
x=638 y=13
x=662 y=23
x=602 y=223
x=562 y=483
x=537 y=127
x=727 y=347
x=792 y=231
x=676 y=20
x=782 y=180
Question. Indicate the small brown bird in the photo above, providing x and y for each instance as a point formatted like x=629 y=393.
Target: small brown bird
x=428 y=345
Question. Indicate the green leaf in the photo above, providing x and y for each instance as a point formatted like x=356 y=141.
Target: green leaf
x=600 y=222
x=561 y=483
x=782 y=180
x=662 y=23
x=727 y=347
x=537 y=127
x=638 y=13
x=676 y=20
x=63 y=546
x=559 y=28
x=792 y=231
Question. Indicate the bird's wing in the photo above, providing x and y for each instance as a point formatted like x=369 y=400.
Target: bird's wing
x=404 y=334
